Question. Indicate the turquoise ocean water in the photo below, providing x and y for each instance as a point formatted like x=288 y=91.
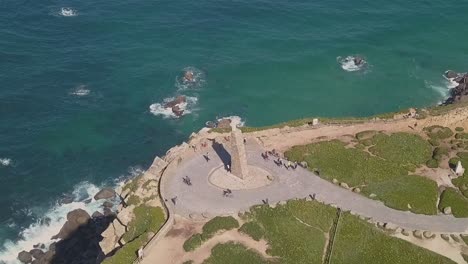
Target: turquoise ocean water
x=77 y=79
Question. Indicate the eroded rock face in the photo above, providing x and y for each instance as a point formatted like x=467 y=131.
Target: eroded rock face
x=460 y=92
x=105 y=193
x=178 y=100
x=36 y=253
x=451 y=74
x=25 y=257
x=75 y=219
x=224 y=123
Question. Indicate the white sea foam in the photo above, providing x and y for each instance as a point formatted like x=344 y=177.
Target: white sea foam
x=198 y=80
x=68 y=12
x=441 y=89
x=42 y=230
x=348 y=64
x=159 y=109
x=80 y=90
x=5 y=162
x=234 y=119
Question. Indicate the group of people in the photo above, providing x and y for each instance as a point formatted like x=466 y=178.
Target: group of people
x=227 y=193
x=187 y=180
x=278 y=161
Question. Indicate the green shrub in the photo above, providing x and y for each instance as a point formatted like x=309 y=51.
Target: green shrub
x=434 y=142
x=133 y=200
x=432 y=163
x=219 y=223
x=458 y=203
x=459 y=129
x=453 y=162
x=193 y=242
x=234 y=253
x=253 y=229
x=440 y=152
x=147 y=219
x=461 y=136
x=127 y=254
x=438 y=132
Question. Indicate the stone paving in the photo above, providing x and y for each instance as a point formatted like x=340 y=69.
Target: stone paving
x=203 y=198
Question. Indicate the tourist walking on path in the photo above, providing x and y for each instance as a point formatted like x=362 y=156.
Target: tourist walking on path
x=207 y=158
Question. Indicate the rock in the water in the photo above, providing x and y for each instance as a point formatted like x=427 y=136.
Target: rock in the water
x=448 y=210
x=67 y=200
x=108 y=212
x=224 y=123
x=97 y=215
x=108 y=204
x=177 y=110
x=105 y=193
x=87 y=201
x=75 y=219
x=36 y=253
x=451 y=74
x=25 y=257
x=178 y=100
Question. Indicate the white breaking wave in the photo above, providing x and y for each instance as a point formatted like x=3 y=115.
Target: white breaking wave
x=441 y=89
x=42 y=230
x=234 y=119
x=348 y=64
x=5 y=162
x=81 y=90
x=67 y=12
x=166 y=112
x=198 y=79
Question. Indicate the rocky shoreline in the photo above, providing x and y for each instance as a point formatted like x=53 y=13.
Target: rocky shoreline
x=460 y=92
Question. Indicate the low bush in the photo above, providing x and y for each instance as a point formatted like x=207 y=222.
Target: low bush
x=458 y=203
x=438 y=132
x=432 y=163
x=209 y=229
x=253 y=229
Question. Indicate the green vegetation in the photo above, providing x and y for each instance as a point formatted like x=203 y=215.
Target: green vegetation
x=233 y=253
x=147 y=219
x=438 y=132
x=126 y=254
x=360 y=242
x=432 y=163
x=462 y=181
x=439 y=153
x=459 y=129
x=385 y=175
x=402 y=148
x=295 y=231
x=458 y=203
x=146 y=184
x=209 y=230
x=133 y=200
x=462 y=136
x=132 y=185
x=253 y=229
x=366 y=134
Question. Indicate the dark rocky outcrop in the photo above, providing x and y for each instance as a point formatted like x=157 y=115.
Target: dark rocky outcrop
x=75 y=219
x=175 y=105
x=97 y=215
x=224 y=123
x=105 y=193
x=460 y=92
x=107 y=204
x=36 y=253
x=25 y=257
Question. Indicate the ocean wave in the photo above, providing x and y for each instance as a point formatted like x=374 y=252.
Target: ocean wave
x=51 y=222
x=5 y=162
x=441 y=89
x=196 y=80
x=349 y=63
x=80 y=90
x=159 y=109
x=67 y=12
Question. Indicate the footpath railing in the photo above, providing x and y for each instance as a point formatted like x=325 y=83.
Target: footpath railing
x=331 y=241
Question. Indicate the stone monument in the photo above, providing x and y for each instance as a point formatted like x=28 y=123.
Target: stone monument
x=459 y=170
x=239 y=165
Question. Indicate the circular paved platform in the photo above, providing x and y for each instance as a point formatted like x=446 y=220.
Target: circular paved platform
x=257 y=178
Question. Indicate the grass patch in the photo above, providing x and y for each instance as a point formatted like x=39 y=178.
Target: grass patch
x=146 y=184
x=132 y=185
x=438 y=132
x=147 y=219
x=458 y=203
x=459 y=129
x=234 y=253
x=296 y=230
x=209 y=229
x=388 y=178
x=253 y=229
x=432 y=163
x=360 y=242
x=133 y=200
x=402 y=148
x=126 y=254
x=365 y=134
x=461 y=136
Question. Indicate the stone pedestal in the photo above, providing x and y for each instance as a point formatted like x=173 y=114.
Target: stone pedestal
x=239 y=166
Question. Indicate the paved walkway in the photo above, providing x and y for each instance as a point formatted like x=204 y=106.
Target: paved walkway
x=203 y=197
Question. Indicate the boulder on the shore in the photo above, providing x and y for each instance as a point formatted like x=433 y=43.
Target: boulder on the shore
x=107 y=204
x=96 y=215
x=451 y=74
x=25 y=257
x=75 y=219
x=36 y=253
x=105 y=193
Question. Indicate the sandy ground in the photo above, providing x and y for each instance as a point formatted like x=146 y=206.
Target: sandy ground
x=449 y=249
x=169 y=250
